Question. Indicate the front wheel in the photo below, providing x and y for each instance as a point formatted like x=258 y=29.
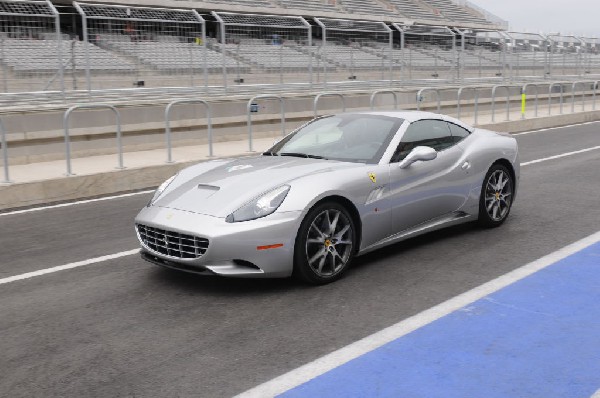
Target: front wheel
x=496 y=196
x=325 y=244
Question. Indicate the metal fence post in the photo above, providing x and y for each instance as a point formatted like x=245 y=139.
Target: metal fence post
x=322 y=47
x=84 y=28
x=420 y=96
x=537 y=91
x=66 y=118
x=594 y=95
x=223 y=43
x=168 y=124
x=573 y=87
x=494 y=101
x=458 y=100
x=318 y=97
x=249 y=109
x=375 y=93
x=550 y=97
x=4 y=153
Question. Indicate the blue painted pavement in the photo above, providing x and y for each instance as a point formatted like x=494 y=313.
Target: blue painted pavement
x=539 y=337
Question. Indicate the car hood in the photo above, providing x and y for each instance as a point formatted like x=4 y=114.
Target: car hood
x=220 y=190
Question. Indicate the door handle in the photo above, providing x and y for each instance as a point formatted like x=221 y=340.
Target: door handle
x=466 y=165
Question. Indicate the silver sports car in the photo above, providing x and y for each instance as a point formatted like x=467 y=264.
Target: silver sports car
x=338 y=187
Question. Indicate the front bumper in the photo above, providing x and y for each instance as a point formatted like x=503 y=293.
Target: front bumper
x=233 y=247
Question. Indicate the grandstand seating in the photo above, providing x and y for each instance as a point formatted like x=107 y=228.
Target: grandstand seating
x=39 y=56
x=415 y=10
x=311 y=6
x=269 y=57
x=350 y=57
x=246 y=3
x=456 y=12
x=366 y=7
x=168 y=55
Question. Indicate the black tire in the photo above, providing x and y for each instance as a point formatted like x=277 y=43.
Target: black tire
x=322 y=254
x=496 y=196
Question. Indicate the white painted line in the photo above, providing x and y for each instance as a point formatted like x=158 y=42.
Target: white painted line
x=562 y=155
x=67 y=266
x=330 y=361
x=81 y=202
x=555 y=128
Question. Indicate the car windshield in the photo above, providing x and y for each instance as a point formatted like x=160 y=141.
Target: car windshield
x=347 y=137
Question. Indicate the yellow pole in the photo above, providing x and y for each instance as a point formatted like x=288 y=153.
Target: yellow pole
x=523 y=103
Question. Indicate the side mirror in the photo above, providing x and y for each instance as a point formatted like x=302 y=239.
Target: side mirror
x=418 y=153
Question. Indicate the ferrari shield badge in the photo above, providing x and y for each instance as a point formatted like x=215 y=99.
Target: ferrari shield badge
x=373 y=177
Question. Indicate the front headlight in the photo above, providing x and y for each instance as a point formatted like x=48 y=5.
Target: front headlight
x=161 y=189
x=261 y=206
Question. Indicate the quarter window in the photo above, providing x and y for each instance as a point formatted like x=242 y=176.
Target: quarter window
x=431 y=133
x=458 y=133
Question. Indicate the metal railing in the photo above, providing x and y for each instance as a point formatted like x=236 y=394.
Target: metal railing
x=561 y=85
x=168 y=124
x=4 y=153
x=573 y=87
x=494 y=101
x=66 y=118
x=249 y=111
x=379 y=92
x=420 y=97
x=537 y=94
x=475 y=104
x=319 y=96
x=582 y=88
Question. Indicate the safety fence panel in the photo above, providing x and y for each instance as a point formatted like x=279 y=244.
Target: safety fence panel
x=528 y=55
x=426 y=52
x=264 y=49
x=483 y=54
x=143 y=47
x=349 y=50
x=566 y=57
x=31 y=46
x=591 y=56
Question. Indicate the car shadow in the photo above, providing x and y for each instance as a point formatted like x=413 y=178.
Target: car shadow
x=233 y=287
x=406 y=246
x=222 y=286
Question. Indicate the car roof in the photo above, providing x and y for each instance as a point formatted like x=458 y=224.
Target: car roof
x=412 y=116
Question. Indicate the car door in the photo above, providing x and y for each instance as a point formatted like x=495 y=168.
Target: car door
x=426 y=190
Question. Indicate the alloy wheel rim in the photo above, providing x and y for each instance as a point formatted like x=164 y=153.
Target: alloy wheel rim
x=329 y=242
x=498 y=195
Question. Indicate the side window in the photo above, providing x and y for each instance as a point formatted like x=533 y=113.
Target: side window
x=458 y=133
x=431 y=133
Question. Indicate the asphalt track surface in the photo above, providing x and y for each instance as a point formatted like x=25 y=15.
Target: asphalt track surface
x=126 y=328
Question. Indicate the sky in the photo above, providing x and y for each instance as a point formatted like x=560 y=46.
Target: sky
x=580 y=17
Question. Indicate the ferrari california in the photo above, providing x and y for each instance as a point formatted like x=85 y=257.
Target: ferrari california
x=338 y=187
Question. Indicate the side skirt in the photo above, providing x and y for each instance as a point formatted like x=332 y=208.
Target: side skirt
x=428 y=226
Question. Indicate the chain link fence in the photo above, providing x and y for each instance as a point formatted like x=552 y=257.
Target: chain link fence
x=264 y=49
x=107 y=46
x=426 y=52
x=31 y=47
x=483 y=54
x=354 y=50
x=566 y=56
x=142 y=47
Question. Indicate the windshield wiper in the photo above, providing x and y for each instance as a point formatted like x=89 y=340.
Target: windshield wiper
x=267 y=153
x=301 y=155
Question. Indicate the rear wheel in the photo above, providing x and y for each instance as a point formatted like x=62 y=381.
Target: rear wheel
x=496 y=196
x=325 y=244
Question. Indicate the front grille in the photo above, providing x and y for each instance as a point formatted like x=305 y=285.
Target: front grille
x=172 y=243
